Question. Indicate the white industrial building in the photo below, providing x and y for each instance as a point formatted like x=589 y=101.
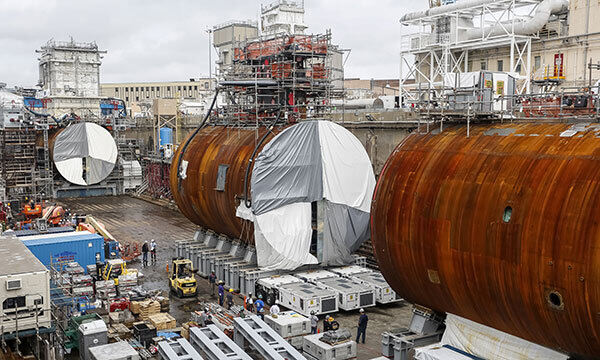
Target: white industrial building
x=70 y=77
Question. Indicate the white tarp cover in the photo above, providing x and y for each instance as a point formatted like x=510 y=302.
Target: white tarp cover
x=462 y=80
x=314 y=161
x=439 y=352
x=84 y=153
x=489 y=343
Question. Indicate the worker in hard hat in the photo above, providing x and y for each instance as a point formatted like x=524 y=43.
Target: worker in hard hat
x=260 y=307
x=153 y=250
x=328 y=323
x=212 y=279
x=145 y=253
x=221 y=293
x=274 y=310
x=249 y=303
x=363 y=319
x=230 y=299
x=314 y=322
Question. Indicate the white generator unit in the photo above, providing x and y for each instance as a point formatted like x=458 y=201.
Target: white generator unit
x=291 y=326
x=305 y=297
x=315 y=349
x=375 y=281
x=351 y=295
x=350 y=270
x=24 y=288
x=268 y=287
x=314 y=275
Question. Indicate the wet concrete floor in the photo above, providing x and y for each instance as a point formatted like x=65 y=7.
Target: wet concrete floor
x=132 y=219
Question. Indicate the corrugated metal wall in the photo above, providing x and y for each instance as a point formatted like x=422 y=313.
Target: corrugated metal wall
x=83 y=249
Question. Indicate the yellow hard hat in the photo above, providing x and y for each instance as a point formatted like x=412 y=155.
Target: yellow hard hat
x=330 y=318
x=230 y=290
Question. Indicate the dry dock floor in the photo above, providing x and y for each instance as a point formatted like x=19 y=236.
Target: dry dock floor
x=128 y=218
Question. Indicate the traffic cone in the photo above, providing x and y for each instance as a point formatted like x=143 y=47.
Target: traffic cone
x=167 y=267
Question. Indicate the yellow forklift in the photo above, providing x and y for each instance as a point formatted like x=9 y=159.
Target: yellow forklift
x=181 y=278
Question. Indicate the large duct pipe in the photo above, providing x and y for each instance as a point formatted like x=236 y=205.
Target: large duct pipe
x=446 y=9
x=501 y=227
x=522 y=27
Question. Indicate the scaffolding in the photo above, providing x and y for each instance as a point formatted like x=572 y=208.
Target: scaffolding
x=282 y=78
x=439 y=40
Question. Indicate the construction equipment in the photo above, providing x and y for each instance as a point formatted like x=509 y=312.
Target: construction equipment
x=181 y=278
x=127 y=250
x=113 y=268
x=53 y=214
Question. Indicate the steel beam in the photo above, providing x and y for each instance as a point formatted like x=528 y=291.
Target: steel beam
x=179 y=349
x=215 y=344
x=264 y=339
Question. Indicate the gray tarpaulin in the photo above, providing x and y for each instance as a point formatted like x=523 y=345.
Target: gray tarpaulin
x=345 y=229
x=84 y=153
x=288 y=170
x=308 y=162
x=71 y=143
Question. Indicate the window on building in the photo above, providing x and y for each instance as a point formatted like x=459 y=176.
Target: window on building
x=152 y=88
x=470 y=66
x=196 y=87
x=537 y=61
x=126 y=89
x=179 y=88
x=137 y=98
x=168 y=88
x=518 y=68
x=184 y=88
x=483 y=65
x=500 y=65
x=147 y=88
x=116 y=89
x=127 y=98
x=137 y=88
x=206 y=85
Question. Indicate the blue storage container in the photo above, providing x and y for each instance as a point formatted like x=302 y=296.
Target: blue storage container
x=80 y=246
x=165 y=136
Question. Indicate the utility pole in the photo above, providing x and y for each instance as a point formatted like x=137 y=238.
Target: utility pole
x=209 y=32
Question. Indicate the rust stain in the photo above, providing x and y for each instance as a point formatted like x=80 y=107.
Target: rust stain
x=197 y=196
x=515 y=198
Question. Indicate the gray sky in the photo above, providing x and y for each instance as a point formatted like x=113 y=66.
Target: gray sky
x=166 y=40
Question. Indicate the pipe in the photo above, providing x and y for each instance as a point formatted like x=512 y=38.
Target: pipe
x=247 y=202
x=522 y=27
x=189 y=139
x=461 y=5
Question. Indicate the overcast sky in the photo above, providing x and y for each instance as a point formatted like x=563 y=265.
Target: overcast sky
x=151 y=40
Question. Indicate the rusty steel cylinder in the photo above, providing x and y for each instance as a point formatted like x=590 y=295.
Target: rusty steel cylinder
x=500 y=225
x=198 y=196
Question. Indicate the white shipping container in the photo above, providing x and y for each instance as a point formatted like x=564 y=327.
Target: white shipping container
x=24 y=287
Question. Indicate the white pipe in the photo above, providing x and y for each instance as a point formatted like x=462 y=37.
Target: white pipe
x=464 y=4
x=522 y=27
